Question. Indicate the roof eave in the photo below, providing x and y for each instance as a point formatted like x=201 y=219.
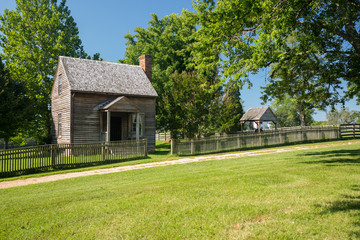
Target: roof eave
x=114 y=93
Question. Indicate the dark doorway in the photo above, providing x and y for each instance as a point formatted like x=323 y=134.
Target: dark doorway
x=115 y=128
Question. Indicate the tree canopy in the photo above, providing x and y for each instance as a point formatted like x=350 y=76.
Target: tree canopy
x=243 y=36
x=32 y=38
x=290 y=113
x=188 y=99
x=343 y=116
x=14 y=105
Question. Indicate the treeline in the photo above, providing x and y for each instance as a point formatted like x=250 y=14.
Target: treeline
x=201 y=61
x=32 y=38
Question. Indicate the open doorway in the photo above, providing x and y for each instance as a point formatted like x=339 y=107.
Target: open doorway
x=116 y=128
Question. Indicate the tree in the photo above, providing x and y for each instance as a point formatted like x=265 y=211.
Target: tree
x=32 y=38
x=231 y=109
x=96 y=56
x=298 y=83
x=356 y=116
x=170 y=41
x=253 y=34
x=342 y=116
x=287 y=112
x=189 y=105
x=14 y=105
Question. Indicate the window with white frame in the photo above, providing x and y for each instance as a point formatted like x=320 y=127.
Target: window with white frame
x=132 y=127
x=59 y=125
x=60 y=84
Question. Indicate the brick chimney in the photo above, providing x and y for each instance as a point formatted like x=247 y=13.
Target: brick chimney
x=145 y=62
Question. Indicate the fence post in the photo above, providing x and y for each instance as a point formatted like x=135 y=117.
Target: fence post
x=353 y=130
x=217 y=144
x=145 y=147
x=52 y=155
x=192 y=147
x=173 y=146
x=102 y=151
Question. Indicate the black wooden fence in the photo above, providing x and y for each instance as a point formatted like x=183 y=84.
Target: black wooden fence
x=254 y=140
x=350 y=131
x=21 y=160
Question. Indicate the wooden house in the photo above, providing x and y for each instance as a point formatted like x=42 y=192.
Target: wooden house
x=95 y=101
x=258 y=116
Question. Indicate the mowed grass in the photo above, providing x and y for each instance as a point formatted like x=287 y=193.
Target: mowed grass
x=307 y=194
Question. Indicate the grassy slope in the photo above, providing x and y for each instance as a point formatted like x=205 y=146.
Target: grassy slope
x=294 y=195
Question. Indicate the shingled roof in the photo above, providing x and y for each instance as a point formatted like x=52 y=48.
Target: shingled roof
x=259 y=114
x=106 y=77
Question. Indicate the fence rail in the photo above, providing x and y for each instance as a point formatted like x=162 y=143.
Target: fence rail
x=350 y=130
x=17 y=161
x=253 y=140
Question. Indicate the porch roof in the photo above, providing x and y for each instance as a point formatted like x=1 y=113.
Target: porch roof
x=120 y=104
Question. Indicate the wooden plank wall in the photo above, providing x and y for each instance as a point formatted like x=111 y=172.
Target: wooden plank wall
x=61 y=103
x=87 y=117
x=268 y=116
x=147 y=106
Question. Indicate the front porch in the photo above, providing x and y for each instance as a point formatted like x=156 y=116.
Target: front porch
x=120 y=119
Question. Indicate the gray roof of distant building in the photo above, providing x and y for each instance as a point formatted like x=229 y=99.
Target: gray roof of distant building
x=259 y=114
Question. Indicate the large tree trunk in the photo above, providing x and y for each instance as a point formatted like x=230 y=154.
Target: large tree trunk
x=301 y=112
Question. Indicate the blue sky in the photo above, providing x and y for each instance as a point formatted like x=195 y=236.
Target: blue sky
x=103 y=25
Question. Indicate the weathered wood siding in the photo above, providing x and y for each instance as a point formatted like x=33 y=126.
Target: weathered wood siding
x=86 y=117
x=268 y=116
x=147 y=106
x=61 y=103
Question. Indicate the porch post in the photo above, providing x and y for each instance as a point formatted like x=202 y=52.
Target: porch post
x=137 y=126
x=101 y=125
x=108 y=116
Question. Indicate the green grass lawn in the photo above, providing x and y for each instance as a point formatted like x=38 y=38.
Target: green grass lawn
x=308 y=194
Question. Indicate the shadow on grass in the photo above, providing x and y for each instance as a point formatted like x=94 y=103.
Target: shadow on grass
x=347 y=203
x=166 y=146
x=160 y=153
x=335 y=157
x=161 y=149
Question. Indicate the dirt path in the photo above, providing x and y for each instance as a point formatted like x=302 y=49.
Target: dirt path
x=56 y=177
